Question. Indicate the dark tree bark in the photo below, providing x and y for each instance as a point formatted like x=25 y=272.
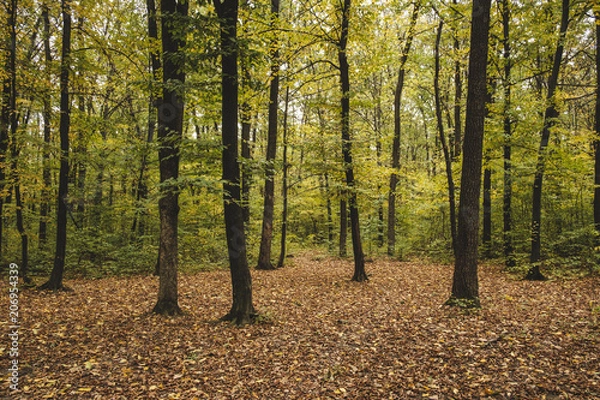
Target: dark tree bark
x=509 y=256
x=359 y=258
x=398 y=130
x=597 y=129
x=550 y=116
x=170 y=130
x=465 y=286
x=264 y=256
x=443 y=141
x=46 y=115
x=284 y=183
x=242 y=310
x=56 y=276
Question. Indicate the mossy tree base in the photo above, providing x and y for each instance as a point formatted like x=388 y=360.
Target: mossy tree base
x=54 y=287
x=463 y=303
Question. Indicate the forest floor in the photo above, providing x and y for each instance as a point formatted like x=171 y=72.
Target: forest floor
x=320 y=336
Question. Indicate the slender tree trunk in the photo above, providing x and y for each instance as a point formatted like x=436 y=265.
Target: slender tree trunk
x=550 y=116
x=486 y=237
x=284 y=183
x=509 y=256
x=46 y=115
x=264 y=256
x=457 y=98
x=15 y=150
x=6 y=111
x=398 y=130
x=245 y=110
x=597 y=129
x=139 y=222
x=444 y=142
x=359 y=258
x=343 y=227
x=170 y=131
x=56 y=276
x=465 y=286
x=242 y=310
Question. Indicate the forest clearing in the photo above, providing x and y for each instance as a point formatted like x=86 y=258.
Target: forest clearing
x=320 y=336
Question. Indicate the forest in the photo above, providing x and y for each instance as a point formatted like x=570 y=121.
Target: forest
x=364 y=165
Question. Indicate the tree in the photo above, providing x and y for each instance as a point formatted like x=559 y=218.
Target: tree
x=398 y=129
x=264 y=256
x=170 y=130
x=507 y=123
x=550 y=115
x=242 y=310
x=56 y=276
x=465 y=286
x=46 y=116
x=444 y=142
x=284 y=183
x=359 y=258
x=597 y=127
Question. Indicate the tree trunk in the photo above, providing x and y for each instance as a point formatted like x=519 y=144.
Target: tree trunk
x=170 y=130
x=56 y=276
x=139 y=222
x=359 y=259
x=242 y=310
x=550 y=116
x=246 y=158
x=46 y=113
x=465 y=286
x=597 y=129
x=8 y=91
x=264 y=256
x=284 y=183
x=486 y=237
x=343 y=252
x=397 y=131
x=444 y=142
x=509 y=256
x=457 y=98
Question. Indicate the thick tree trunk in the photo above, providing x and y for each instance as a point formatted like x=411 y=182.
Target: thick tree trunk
x=465 y=286
x=56 y=276
x=398 y=131
x=550 y=116
x=284 y=183
x=359 y=259
x=170 y=130
x=509 y=257
x=264 y=256
x=444 y=142
x=242 y=310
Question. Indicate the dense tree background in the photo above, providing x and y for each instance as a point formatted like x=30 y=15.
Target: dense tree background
x=113 y=178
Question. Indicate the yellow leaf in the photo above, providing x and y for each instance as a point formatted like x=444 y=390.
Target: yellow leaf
x=84 y=389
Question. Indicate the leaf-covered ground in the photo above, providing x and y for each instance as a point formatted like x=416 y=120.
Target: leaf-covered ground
x=321 y=337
